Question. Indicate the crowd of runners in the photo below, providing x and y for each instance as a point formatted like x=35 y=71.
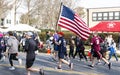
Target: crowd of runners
x=63 y=50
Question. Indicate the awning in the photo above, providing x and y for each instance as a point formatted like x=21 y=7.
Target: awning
x=107 y=26
x=22 y=27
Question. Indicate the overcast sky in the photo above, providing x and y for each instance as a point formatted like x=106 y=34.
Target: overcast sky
x=90 y=4
x=98 y=3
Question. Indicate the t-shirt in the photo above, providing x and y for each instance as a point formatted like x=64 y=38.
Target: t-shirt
x=55 y=36
x=30 y=45
x=62 y=46
x=96 y=43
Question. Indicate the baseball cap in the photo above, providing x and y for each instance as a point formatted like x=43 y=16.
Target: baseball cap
x=61 y=33
x=29 y=33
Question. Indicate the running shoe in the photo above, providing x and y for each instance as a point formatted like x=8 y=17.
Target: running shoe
x=12 y=68
x=91 y=66
x=71 y=66
x=41 y=72
x=59 y=68
x=109 y=65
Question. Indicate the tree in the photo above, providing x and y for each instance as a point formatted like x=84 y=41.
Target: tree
x=44 y=12
x=23 y=19
x=49 y=12
x=16 y=5
x=30 y=5
x=79 y=11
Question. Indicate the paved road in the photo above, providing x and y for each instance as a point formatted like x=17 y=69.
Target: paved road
x=45 y=61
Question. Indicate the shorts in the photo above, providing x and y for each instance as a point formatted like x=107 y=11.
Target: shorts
x=61 y=55
x=30 y=60
x=55 y=47
x=97 y=54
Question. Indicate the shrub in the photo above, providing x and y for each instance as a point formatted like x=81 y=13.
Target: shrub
x=68 y=34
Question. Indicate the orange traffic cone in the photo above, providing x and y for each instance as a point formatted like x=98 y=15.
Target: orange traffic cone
x=48 y=51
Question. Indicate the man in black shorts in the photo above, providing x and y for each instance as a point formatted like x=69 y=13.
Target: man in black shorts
x=30 y=48
x=95 y=42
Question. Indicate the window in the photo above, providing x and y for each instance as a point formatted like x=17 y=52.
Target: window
x=8 y=21
x=99 y=16
x=105 y=16
x=110 y=15
x=116 y=15
x=94 y=15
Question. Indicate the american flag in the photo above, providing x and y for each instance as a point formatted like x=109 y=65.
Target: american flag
x=71 y=21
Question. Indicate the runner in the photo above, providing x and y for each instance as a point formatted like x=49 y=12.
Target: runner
x=95 y=42
x=12 y=49
x=61 y=51
x=55 y=53
x=30 y=48
x=112 y=50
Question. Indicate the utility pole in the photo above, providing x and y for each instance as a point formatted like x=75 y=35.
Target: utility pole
x=15 y=12
x=56 y=27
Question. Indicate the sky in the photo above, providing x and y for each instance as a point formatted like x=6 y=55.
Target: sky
x=89 y=4
x=98 y=3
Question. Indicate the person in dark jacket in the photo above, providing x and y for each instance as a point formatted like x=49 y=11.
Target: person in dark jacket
x=30 y=48
x=119 y=42
x=77 y=44
x=71 y=47
x=2 y=46
x=82 y=49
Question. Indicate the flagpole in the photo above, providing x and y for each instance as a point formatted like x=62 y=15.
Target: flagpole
x=56 y=27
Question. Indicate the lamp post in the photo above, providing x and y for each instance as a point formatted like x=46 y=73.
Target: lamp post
x=88 y=17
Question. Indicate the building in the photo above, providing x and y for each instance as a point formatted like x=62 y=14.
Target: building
x=96 y=15
x=8 y=20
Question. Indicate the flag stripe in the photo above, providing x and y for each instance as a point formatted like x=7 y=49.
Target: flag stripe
x=82 y=23
x=81 y=30
x=68 y=23
x=76 y=32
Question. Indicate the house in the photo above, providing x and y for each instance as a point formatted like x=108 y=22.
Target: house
x=8 y=20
